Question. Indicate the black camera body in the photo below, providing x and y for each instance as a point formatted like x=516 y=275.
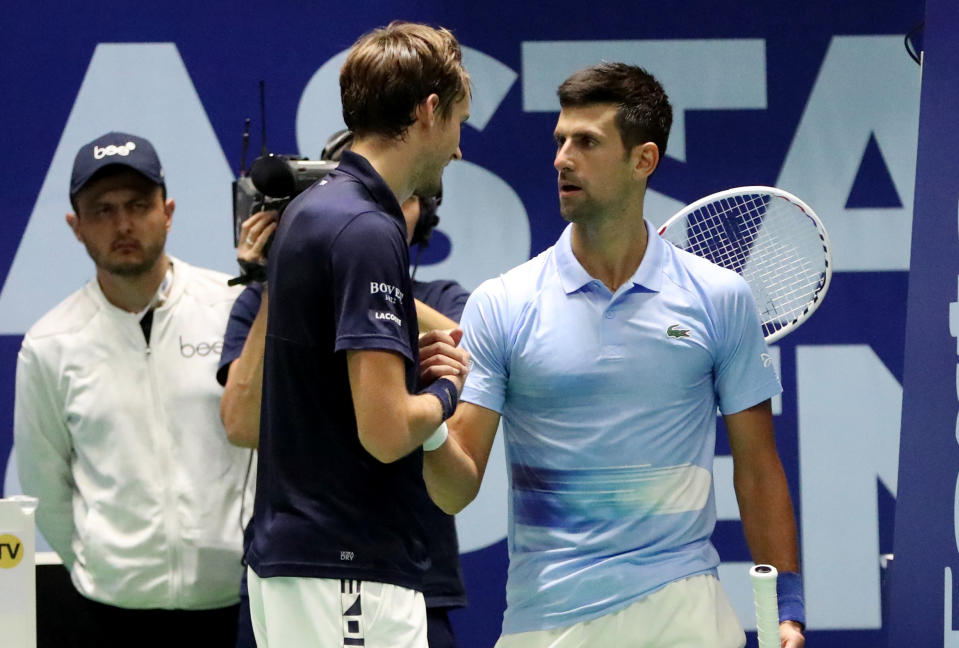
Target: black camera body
x=273 y=181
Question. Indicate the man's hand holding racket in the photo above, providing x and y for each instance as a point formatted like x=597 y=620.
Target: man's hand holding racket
x=778 y=244
x=791 y=636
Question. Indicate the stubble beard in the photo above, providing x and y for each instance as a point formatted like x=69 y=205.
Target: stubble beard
x=583 y=211
x=129 y=269
x=431 y=183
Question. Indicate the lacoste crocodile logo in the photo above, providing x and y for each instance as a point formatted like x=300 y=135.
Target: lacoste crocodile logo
x=675 y=332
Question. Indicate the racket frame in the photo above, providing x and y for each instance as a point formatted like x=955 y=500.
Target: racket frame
x=781 y=194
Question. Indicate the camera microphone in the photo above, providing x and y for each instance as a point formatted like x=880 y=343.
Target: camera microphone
x=272 y=176
x=282 y=176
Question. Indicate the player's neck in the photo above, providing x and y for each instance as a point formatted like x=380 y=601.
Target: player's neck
x=391 y=160
x=133 y=293
x=611 y=250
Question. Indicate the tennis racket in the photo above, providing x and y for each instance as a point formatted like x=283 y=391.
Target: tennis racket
x=764 y=578
x=772 y=239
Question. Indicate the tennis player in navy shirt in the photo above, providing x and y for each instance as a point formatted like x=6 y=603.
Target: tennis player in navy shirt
x=241 y=373
x=349 y=392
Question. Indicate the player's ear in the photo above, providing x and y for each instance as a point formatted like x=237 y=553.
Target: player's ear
x=168 y=207
x=645 y=159
x=426 y=111
x=73 y=222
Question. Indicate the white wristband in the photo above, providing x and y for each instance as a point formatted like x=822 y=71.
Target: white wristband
x=436 y=439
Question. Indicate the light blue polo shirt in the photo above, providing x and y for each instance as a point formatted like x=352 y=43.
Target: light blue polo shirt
x=609 y=414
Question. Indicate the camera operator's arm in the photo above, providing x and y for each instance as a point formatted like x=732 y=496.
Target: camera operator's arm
x=430 y=319
x=243 y=379
x=255 y=233
x=240 y=403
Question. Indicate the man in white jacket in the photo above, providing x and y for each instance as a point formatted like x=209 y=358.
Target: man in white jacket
x=116 y=421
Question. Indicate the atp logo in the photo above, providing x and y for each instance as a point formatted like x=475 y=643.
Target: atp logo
x=11 y=551
x=674 y=331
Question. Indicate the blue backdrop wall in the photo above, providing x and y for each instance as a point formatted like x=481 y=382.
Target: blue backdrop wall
x=923 y=596
x=819 y=98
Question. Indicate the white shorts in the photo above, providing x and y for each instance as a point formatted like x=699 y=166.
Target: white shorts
x=321 y=612
x=689 y=613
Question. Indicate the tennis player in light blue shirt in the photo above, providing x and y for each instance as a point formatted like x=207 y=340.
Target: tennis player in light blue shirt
x=607 y=357
x=609 y=410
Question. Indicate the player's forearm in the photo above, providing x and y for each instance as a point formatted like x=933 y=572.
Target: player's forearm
x=452 y=477
x=767 y=515
x=391 y=422
x=770 y=528
x=391 y=433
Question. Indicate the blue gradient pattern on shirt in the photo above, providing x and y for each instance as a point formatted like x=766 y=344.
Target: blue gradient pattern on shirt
x=606 y=415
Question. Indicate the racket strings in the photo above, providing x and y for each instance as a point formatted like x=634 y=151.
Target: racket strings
x=770 y=242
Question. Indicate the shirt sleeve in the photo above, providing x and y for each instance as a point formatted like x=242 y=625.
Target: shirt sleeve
x=238 y=328
x=485 y=329
x=44 y=451
x=744 y=371
x=372 y=292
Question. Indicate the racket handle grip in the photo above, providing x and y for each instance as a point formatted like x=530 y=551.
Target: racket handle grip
x=763 y=578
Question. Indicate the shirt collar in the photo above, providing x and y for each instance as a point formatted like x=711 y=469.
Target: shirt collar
x=167 y=293
x=573 y=276
x=649 y=274
x=360 y=168
x=162 y=293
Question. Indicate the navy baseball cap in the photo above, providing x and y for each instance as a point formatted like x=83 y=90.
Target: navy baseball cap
x=115 y=148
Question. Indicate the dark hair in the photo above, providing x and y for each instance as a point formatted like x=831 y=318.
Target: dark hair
x=107 y=172
x=391 y=70
x=644 y=113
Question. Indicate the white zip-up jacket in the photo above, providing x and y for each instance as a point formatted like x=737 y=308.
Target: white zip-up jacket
x=140 y=492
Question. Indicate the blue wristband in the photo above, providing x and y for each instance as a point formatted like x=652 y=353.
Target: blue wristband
x=790 y=596
x=446 y=392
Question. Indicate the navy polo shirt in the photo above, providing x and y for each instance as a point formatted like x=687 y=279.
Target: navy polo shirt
x=339 y=281
x=443 y=581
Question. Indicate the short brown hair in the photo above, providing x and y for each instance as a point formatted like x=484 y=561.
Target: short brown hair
x=391 y=70
x=644 y=113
